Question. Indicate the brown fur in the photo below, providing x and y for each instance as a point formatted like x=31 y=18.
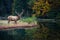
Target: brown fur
x=15 y=18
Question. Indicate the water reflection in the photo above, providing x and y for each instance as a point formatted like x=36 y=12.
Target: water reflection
x=16 y=34
x=19 y=34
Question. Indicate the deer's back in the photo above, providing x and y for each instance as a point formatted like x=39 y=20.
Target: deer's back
x=12 y=18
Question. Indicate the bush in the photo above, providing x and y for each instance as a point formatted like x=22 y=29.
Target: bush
x=29 y=19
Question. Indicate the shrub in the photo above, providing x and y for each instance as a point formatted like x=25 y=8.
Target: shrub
x=29 y=19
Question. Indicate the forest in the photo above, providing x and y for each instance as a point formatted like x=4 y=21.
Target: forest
x=40 y=11
x=47 y=8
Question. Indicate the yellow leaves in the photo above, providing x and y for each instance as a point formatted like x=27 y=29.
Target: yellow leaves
x=34 y=7
x=34 y=15
x=37 y=12
x=40 y=4
x=47 y=2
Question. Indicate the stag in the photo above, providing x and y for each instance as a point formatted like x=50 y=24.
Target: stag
x=15 y=18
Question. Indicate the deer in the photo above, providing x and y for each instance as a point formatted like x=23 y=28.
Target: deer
x=15 y=18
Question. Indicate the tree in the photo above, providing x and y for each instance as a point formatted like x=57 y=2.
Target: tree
x=13 y=6
x=40 y=7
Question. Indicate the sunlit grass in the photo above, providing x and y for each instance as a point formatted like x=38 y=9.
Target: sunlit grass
x=29 y=20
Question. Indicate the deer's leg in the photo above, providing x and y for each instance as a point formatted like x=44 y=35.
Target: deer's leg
x=8 y=21
x=15 y=22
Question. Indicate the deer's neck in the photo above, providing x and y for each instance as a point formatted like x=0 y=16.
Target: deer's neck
x=18 y=17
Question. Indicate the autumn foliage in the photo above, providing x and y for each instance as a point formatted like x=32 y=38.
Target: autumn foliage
x=40 y=7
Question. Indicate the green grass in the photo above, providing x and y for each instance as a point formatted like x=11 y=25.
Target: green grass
x=29 y=20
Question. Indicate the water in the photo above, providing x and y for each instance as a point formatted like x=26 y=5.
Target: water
x=22 y=34
x=16 y=34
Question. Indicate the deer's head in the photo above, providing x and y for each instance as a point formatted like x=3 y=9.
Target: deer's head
x=19 y=14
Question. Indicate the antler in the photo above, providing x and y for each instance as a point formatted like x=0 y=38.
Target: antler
x=22 y=12
x=16 y=12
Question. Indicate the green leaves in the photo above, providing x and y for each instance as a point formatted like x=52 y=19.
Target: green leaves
x=29 y=19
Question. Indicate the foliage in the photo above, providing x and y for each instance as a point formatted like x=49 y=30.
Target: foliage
x=13 y=6
x=29 y=19
x=40 y=7
x=43 y=32
x=31 y=3
x=7 y=7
